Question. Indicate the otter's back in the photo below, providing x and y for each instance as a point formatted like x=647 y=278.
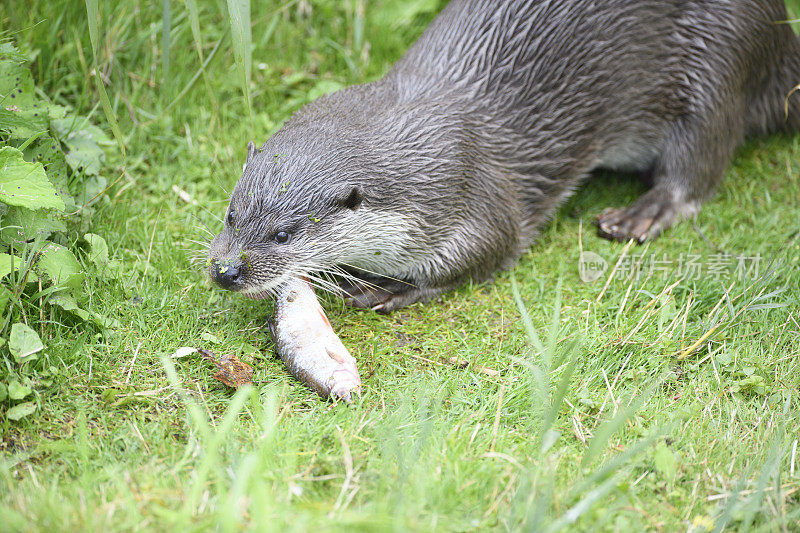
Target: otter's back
x=545 y=55
x=611 y=59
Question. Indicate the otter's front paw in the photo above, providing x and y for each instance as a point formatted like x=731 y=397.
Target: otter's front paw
x=368 y=297
x=386 y=298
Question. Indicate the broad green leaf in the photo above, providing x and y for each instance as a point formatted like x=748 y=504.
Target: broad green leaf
x=21 y=411
x=68 y=303
x=23 y=342
x=25 y=184
x=73 y=125
x=3 y=392
x=83 y=152
x=114 y=269
x=47 y=151
x=22 y=114
x=9 y=51
x=91 y=189
x=98 y=254
x=209 y=337
x=17 y=391
x=21 y=225
x=324 y=87
x=665 y=462
x=60 y=265
x=8 y=264
x=56 y=112
x=105 y=322
x=398 y=14
x=98 y=249
x=14 y=121
x=16 y=85
x=5 y=297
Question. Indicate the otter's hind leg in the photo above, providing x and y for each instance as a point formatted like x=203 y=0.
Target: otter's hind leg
x=692 y=161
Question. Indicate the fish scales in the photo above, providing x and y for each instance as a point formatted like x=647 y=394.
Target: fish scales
x=307 y=344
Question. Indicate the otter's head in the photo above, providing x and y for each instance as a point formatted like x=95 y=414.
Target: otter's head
x=349 y=182
x=301 y=206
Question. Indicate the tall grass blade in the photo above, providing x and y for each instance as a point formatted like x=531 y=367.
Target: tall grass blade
x=239 y=14
x=93 y=20
x=748 y=507
x=732 y=503
x=196 y=76
x=211 y=459
x=584 y=505
x=554 y=405
x=612 y=467
x=110 y=116
x=194 y=24
x=533 y=336
x=792 y=517
x=555 y=328
x=601 y=437
x=166 y=28
x=196 y=415
x=234 y=521
x=543 y=376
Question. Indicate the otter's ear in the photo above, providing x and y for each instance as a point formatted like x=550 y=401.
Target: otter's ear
x=251 y=151
x=352 y=198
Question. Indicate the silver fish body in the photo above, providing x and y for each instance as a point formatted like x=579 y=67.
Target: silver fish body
x=306 y=342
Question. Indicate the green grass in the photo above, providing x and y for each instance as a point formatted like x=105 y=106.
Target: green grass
x=595 y=416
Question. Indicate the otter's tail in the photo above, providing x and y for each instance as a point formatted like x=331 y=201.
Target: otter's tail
x=779 y=106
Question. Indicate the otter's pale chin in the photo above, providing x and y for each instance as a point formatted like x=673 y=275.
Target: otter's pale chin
x=257 y=295
x=265 y=290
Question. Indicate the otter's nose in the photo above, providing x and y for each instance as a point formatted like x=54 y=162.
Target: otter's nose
x=226 y=274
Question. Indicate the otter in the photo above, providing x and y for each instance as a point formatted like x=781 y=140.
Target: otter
x=445 y=169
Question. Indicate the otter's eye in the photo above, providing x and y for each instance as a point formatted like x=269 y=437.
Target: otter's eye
x=281 y=237
x=231 y=217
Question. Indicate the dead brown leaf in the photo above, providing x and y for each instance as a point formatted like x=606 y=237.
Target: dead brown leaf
x=230 y=370
x=463 y=363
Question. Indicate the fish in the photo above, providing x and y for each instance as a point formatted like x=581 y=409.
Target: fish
x=305 y=341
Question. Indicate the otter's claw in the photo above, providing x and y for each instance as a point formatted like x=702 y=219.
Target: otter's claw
x=618 y=224
x=651 y=214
